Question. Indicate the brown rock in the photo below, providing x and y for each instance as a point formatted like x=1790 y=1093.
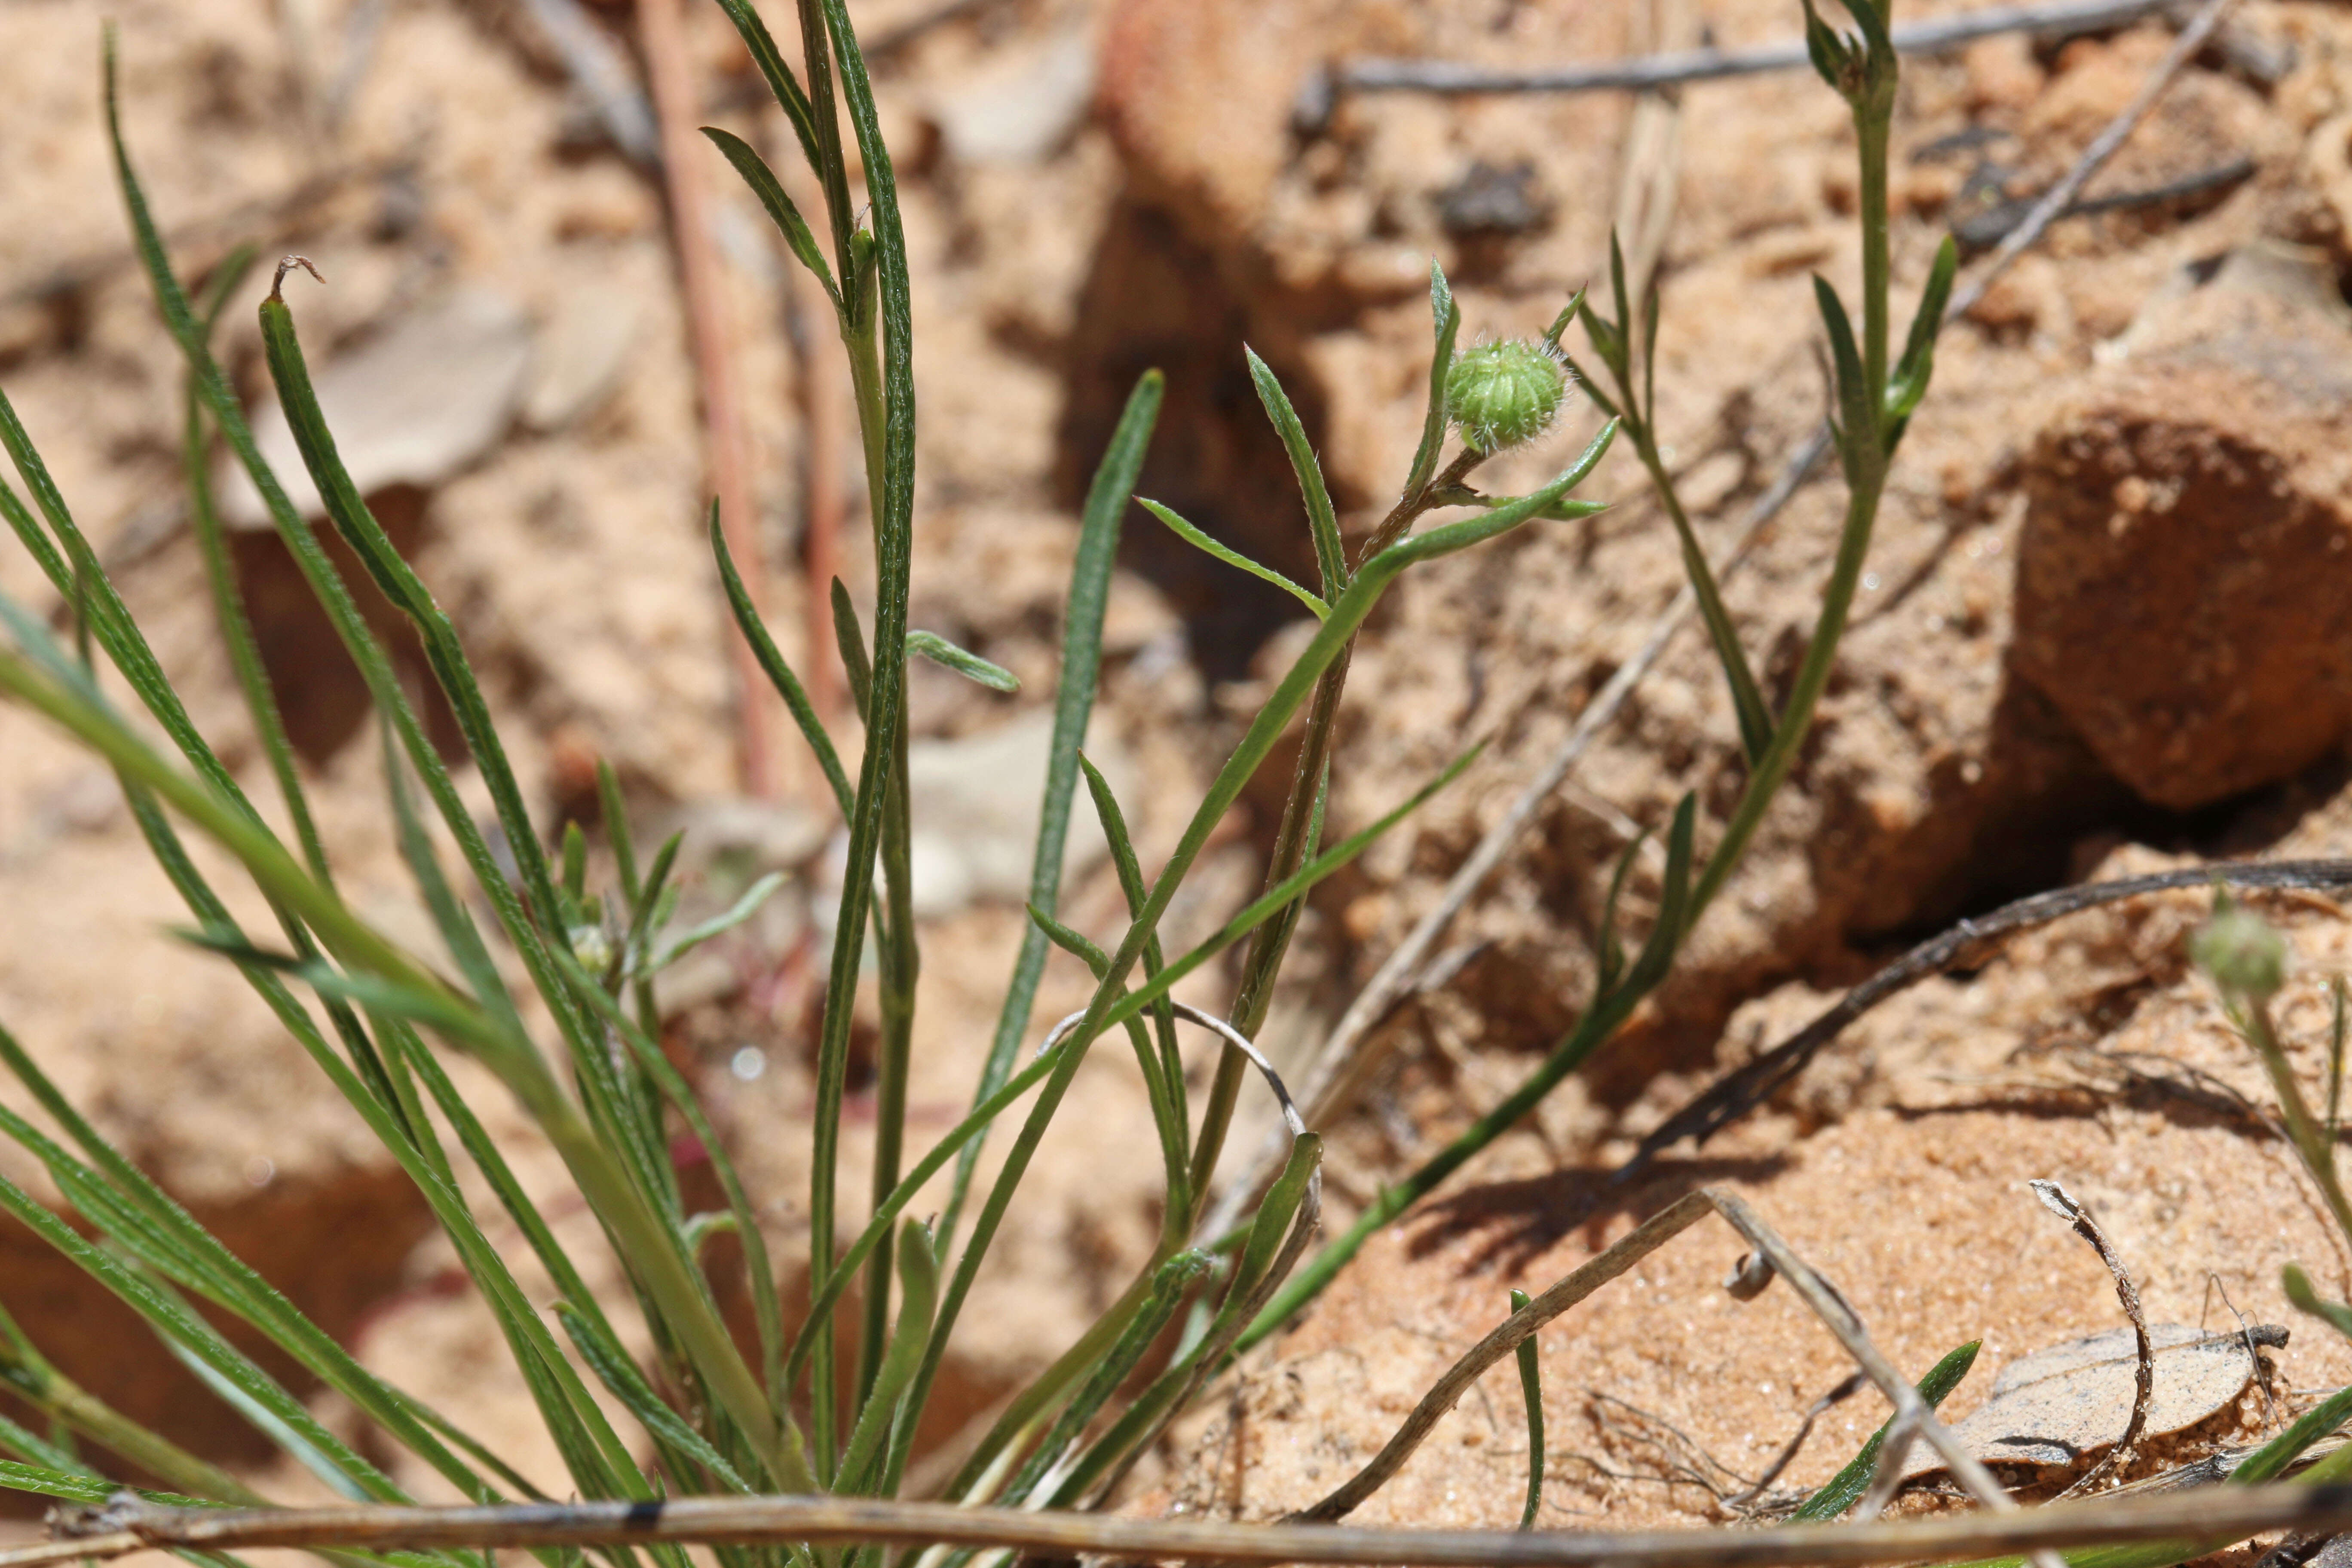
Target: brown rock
x=2181 y=590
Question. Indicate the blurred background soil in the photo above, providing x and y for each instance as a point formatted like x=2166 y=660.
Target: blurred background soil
x=2108 y=623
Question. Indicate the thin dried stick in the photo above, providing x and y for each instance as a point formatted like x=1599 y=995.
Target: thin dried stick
x=2060 y=196
x=2062 y=1203
x=661 y=27
x=2206 y=1516
x=1449 y=78
x=1339 y=1068
x=1819 y=1408
x=1745 y=1088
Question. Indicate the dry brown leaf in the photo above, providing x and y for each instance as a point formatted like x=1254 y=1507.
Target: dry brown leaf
x=2062 y=1404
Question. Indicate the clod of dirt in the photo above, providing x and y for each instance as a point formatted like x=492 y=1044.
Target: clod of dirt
x=415 y=404
x=2060 y=1405
x=2182 y=575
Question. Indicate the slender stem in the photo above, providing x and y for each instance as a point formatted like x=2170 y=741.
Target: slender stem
x=2311 y=1141
x=1271 y=941
x=901 y=962
x=1872 y=134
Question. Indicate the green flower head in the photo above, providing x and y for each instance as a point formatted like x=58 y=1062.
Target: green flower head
x=1499 y=395
x=2242 y=952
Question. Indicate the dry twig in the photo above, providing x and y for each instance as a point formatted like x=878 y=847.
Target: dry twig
x=2206 y=1515
x=1745 y=1088
x=2063 y=1204
x=1450 y=79
x=662 y=29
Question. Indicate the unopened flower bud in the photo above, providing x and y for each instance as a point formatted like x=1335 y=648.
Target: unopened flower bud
x=592 y=947
x=1499 y=395
x=2242 y=952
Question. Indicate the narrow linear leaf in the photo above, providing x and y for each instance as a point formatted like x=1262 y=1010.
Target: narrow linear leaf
x=1445 y=318
x=1232 y=557
x=1322 y=522
x=780 y=674
x=771 y=192
x=1846 y=1487
x=1074 y=698
x=1531 y=1396
x=971 y=665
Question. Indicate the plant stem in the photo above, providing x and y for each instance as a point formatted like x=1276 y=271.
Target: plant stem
x=1873 y=130
x=901 y=961
x=2311 y=1142
x=1271 y=941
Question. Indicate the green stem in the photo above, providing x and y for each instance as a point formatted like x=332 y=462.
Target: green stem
x=2310 y=1140
x=1270 y=944
x=1873 y=130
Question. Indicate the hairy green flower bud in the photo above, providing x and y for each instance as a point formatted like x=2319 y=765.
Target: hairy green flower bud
x=2242 y=952
x=1499 y=395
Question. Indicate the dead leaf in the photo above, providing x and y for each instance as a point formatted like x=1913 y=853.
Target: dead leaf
x=2062 y=1404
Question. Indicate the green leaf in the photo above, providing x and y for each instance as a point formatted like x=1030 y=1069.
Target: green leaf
x=1074 y=697
x=1623 y=320
x=1611 y=946
x=735 y=914
x=2299 y=1291
x=1446 y=318
x=1832 y=55
x=851 y=642
x=1858 y=406
x=971 y=665
x=407 y=593
x=1592 y=387
x=1276 y=900
x=175 y=1322
x=1322 y=522
x=1560 y=323
x=1171 y=1283
x=615 y=811
x=887 y=396
x=1531 y=1396
x=1845 y=1489
x=1170 y=1112
x=771 y=192
x=1277 y=1233
x=780 y=674
x=781 y=81
x=265 y=1421
x=826 y=1298
x=1232 y=557
x=1908 y=385
x=1608 y=340
x=1657 y=955
x=918 y=1274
